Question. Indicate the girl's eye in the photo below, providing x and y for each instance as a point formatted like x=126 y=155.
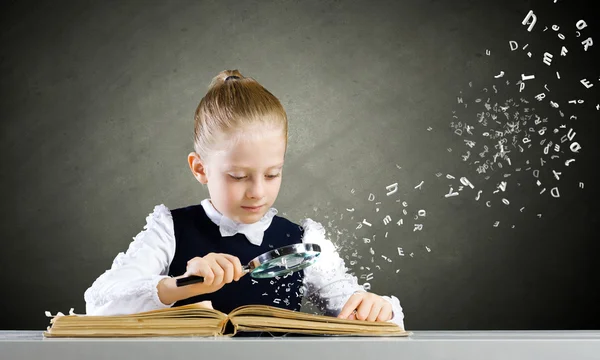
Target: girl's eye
x=243 y=177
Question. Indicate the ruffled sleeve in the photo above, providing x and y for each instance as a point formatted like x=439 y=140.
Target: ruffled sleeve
x=129 y=286
x=327 y=283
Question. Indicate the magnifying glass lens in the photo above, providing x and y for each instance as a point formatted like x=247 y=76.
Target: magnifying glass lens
x=285 y=264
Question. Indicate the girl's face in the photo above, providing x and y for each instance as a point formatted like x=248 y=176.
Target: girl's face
x=244 y=175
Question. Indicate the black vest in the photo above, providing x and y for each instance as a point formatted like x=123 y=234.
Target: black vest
x=197 y=235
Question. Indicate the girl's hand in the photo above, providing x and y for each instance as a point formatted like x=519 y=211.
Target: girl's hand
x=217 y=270
x=366 y=306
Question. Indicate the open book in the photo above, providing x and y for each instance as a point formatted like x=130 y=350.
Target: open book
x=197 y=320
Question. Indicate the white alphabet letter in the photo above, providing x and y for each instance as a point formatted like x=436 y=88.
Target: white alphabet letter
x=530 y=15
x=391 y=188
x=547 y=58
x=587 y=43
x=586 y=83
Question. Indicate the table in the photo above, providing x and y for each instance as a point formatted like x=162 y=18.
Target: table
x=463 y=345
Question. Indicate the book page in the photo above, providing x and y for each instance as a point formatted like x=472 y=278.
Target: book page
x=190 y=310
x=184 y=320
x=321 y=332
x=354 y=327
x=267 y=318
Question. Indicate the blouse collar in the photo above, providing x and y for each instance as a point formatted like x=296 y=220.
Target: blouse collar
x=254 y=232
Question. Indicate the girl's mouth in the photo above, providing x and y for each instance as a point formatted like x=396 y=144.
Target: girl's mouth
x=252 y=208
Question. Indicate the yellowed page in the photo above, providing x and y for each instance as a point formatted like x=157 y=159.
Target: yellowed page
x=338 y=332
x=134 y=324
x=270 y=311
x=179 y=331
x=158 y=322
x=354 y=326
x=261 y=318
x=191 y=310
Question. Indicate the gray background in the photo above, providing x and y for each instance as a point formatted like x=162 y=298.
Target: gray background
x=97 y=119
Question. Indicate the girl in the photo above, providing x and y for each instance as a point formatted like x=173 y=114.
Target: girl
x=240 y=141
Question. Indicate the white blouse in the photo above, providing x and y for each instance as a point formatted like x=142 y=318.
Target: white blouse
x=130 y=285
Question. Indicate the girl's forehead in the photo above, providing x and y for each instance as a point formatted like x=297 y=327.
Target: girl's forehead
x=250 y=134
x=250 y=150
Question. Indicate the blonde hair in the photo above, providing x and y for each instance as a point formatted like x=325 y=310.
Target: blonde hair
x=232 y=105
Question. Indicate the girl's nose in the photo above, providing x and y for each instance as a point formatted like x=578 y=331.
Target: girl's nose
x=256 y=190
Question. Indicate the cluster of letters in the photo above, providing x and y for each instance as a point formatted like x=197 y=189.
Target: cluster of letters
x=500 y=126
x=504 y=133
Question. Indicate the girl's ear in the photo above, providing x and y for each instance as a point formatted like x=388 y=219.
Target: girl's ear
x=198 y=167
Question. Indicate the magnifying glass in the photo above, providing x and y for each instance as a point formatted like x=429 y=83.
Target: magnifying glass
x=277 y=262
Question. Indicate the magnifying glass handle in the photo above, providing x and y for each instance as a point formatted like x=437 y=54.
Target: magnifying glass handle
x=193 y=279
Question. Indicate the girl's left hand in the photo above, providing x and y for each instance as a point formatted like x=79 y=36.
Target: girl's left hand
x=366 y=306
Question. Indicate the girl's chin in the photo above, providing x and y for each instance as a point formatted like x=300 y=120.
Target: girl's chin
x=250 y=217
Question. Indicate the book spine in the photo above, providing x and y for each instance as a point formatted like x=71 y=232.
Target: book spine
x=223 y=326
x=227 y=327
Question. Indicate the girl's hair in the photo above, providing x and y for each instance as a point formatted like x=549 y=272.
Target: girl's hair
x=232 y=105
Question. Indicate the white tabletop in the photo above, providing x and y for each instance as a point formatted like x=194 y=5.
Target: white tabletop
x=462 y=345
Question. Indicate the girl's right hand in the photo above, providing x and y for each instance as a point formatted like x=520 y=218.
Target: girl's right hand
x=217 y=270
